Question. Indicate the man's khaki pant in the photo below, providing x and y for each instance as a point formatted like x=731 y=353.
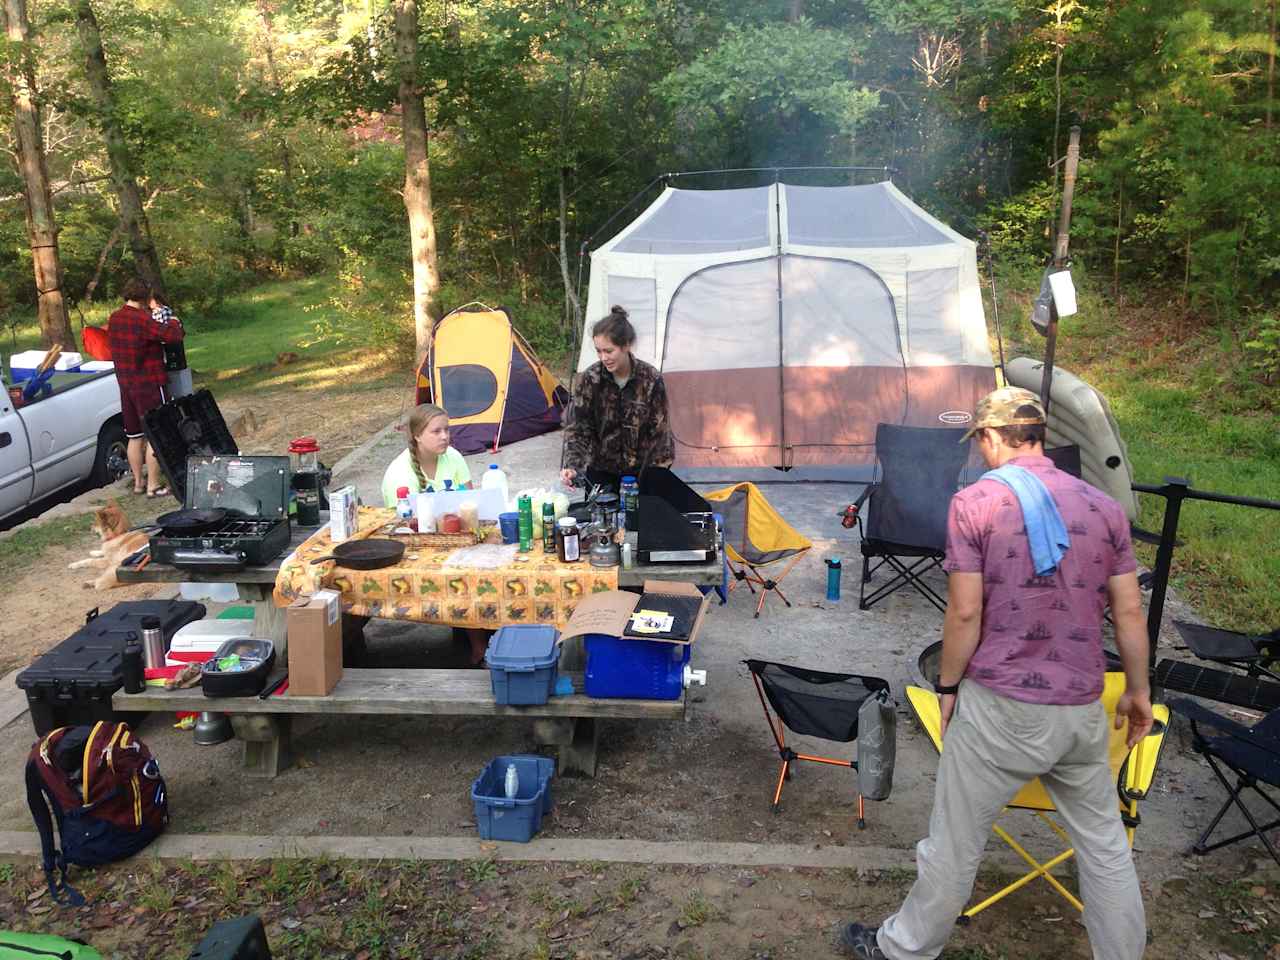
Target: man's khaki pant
x=993 y=746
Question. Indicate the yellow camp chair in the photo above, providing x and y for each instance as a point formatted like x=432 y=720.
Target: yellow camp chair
x=756 y=536
x=1134 y=771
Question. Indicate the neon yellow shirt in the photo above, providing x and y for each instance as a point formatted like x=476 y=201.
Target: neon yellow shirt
x=400 y=473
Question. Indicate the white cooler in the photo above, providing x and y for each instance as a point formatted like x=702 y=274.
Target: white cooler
x=197 y=641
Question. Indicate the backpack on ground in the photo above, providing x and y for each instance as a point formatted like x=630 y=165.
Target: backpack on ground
x=107 y=797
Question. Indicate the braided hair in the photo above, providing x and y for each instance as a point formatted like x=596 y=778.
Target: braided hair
x=422 y=415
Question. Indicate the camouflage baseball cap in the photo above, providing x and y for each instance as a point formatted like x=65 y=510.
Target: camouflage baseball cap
x=1006 y=407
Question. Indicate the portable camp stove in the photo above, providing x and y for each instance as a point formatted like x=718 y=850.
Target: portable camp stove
x=255 y=493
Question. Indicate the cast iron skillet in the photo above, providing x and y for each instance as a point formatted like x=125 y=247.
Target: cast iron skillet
x=190 y=523
x=371 y=554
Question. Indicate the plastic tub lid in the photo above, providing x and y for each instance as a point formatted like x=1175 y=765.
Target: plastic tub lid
x=523 y=648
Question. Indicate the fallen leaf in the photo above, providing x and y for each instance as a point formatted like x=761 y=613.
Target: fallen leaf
x=1206 y=914
x=1258 y=891
x=289 y=923
x=39 y=909
x=37 y=894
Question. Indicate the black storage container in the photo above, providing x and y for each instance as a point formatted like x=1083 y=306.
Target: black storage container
x=257 y=657
x=185 y=427
x=73 y=682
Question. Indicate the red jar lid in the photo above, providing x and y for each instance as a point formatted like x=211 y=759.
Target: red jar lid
x=402 y=491
x=304 y=445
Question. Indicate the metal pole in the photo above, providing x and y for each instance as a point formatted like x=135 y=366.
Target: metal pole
x=782 y=386
x=1060 y=260
x=1174 y=491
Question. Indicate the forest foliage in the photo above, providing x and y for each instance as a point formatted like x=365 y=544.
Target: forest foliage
x=267 y=141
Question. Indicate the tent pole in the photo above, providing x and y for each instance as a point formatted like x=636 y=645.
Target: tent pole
x=782 y=399
x=1060 y=261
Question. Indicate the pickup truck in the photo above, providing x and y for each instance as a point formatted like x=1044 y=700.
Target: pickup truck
x=73 y=435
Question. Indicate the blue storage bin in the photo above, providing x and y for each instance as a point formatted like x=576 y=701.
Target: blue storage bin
x=517 y=819
x=524 y=661
x=619 y=667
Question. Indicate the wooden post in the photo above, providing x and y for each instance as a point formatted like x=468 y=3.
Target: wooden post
x=1060 y=247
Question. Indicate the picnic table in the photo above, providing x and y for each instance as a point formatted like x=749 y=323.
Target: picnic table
x=568 y=722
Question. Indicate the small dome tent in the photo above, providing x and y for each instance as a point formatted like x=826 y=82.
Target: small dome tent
x=484 y=373
x=789 y=320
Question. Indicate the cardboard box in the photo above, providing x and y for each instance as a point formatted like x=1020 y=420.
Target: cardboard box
x=608 y=612
x=315 y=644
x=342 y=514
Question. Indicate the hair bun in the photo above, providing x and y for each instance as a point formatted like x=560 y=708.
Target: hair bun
x=617 y=311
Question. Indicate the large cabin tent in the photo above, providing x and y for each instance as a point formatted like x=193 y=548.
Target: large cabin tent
x=787 y=321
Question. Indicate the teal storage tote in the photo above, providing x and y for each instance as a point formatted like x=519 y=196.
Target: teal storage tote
x=519 y=818
x=523 y=663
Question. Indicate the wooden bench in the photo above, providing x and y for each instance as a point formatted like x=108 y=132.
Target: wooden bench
x=568 y=722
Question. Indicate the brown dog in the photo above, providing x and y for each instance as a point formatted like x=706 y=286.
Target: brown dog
x=118 y=541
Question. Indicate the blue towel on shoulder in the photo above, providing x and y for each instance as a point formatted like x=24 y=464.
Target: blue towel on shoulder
x=1046 y=533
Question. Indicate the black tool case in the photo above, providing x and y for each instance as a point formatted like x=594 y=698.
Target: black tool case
x=73 y=682
x=255 y=493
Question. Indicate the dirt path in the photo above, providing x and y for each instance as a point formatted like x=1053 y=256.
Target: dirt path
x=591 y=911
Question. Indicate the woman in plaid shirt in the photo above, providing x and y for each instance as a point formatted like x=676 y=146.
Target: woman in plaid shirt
x=137 y=351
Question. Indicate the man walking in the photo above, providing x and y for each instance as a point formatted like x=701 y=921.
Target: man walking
x=137 y=351
x=1034 y=557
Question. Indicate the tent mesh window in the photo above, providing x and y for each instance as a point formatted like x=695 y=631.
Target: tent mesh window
x=815 y=703
x=467 y=389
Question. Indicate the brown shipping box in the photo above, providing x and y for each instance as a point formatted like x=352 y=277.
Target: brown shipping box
x=315 y=644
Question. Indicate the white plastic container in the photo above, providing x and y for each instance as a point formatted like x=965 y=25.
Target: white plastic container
x=425 y=510
x=197 y=641
x=496 y=479
x=23 y=365
x=96 y=366
x=68 y=360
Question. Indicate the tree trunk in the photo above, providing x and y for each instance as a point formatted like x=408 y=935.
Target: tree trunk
x=795 y=10
x=573 y=309
x=1271 y=65
x=42 y=229
x=417 y=177
x=123 y=178
x=286 y=154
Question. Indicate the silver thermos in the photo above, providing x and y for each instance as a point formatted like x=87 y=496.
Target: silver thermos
x=152 y=643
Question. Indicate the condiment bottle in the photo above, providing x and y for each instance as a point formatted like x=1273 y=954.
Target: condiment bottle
x=403 y=508
x=469 y=514
x=568 y=548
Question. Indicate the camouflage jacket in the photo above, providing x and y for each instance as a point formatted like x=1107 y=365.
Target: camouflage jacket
x=615 y=429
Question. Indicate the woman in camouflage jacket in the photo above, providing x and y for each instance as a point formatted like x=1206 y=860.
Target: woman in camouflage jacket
x=618 y=423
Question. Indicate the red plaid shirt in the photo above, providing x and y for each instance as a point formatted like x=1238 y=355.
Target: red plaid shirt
x=135 y=345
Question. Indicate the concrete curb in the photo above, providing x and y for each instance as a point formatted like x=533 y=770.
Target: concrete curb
x=364 y=448
x=235 y=847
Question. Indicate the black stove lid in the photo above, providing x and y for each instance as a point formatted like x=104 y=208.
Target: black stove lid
x=251 y=486
x=185 y=427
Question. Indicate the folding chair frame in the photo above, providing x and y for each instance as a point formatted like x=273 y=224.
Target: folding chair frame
x=749 y=573
x=1127 y=787
x=906 y=574
x=1244 y=780
x=789 y=756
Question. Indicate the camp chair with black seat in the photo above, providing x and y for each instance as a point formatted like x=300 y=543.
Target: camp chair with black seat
x=1251 y=753
x=814 y=703
x=1134 y=770
x=756 y=537
x=917 y=472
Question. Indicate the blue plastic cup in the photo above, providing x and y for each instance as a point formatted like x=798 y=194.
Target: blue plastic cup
x=510 y=524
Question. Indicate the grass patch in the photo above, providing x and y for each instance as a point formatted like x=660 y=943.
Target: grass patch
x=1188 y=406
x=25 y=544
x=698 y=910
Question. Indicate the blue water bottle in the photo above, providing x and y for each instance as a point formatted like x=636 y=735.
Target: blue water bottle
x=833 y=579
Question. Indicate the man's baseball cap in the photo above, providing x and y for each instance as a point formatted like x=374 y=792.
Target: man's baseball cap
x=1006 y=407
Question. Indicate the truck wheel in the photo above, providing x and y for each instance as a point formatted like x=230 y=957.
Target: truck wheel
x=112 y=461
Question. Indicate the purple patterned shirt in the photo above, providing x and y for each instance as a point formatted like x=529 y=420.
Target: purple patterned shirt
x=1041 y=637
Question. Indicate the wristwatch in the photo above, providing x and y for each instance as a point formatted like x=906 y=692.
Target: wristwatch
x=946 y=689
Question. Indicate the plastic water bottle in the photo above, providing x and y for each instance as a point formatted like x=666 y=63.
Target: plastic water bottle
x=630 y=503
x=833 y=579
x=495 y=479
x=511 y=784
x=404 y=509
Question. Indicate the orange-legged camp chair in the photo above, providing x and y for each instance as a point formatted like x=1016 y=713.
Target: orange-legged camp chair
x=756 y=537
x=1134 y=770
x=812 y=703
